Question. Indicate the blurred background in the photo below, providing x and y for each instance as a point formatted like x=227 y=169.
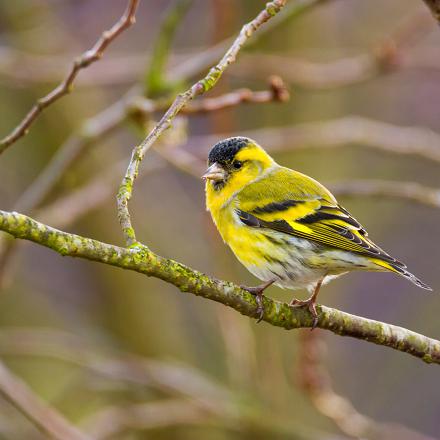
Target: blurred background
x=123 y=356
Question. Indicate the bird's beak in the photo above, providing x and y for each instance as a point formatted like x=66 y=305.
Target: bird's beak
x=215 y=172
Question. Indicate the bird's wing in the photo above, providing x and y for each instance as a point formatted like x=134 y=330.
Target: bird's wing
x=294 y=204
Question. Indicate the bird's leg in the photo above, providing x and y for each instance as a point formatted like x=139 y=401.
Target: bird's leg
x=310 y=302
x=257 y=291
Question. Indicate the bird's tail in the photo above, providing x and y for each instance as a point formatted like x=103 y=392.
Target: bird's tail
x=400 y=269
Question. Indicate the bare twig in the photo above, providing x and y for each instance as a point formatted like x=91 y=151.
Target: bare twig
x=66 y=210
x=200 y=87
x=39 y=413
x=140 y=107
x=390 y=53
x=141 y=259
x=87 y=58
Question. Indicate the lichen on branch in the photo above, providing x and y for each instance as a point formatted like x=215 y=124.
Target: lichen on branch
x=201 y=86
x=141 y=259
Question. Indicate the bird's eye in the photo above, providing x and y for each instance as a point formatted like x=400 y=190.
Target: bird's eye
x=237 y=164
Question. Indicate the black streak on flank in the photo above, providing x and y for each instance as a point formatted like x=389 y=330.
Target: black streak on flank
x=254 y=222
x=248 y=219
x=276 y=207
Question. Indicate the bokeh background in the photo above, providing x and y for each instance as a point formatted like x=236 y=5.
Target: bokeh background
x=124 y=356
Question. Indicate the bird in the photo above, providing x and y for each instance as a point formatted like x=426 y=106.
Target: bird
x=285 y=227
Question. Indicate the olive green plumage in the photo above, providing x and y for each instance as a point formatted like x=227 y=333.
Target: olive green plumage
x=284 y=226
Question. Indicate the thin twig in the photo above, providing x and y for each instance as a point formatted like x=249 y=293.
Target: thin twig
x=66 y=210
x=200 y=87
x=44 y=417
x=142 y=260
x=87 y=58
x=144 y=108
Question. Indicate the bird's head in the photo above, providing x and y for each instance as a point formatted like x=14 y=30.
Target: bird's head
x=235 y=162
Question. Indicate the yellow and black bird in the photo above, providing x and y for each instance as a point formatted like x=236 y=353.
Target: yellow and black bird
x=285 y=227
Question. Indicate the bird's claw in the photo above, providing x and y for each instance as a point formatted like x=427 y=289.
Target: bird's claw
x=258 y=293
x=311 y=305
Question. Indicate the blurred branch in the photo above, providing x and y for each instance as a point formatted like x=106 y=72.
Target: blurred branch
x=348 y=130
x=411 y=191
x=188 y=163
x=115 y=420
x=93 y=130
x=38 y=412
x=387 y=55
x=66 y=210
x=202 y=86
x=209 y=56
x=192 y=391
x=316 y=383
x=434 y=6
x=87 y=58
x=155 y=80
x=170 y=378
x=142 y=260
x=384 y=57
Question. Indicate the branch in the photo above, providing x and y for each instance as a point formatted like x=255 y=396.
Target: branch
x=188 y=163
x=141 y=259
x=277 y=92
x=316 y=382
x=113 y=421
x=411 y=191
x=387 y=55
x=155 y=82
x=335 y=133
x=208 y=82
x=65 y=210
x=39 y=413
x=85 y=60
x=434 y=6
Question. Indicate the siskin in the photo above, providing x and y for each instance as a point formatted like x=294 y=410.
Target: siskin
x=285 y=227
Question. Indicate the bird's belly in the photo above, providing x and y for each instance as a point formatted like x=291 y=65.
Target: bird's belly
x=272 y=255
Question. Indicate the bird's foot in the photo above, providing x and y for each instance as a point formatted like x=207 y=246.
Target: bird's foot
x=257 y=291
x=311 y=305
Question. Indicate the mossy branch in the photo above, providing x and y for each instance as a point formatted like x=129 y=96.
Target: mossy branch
x=141 y=259
x=200 y=87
